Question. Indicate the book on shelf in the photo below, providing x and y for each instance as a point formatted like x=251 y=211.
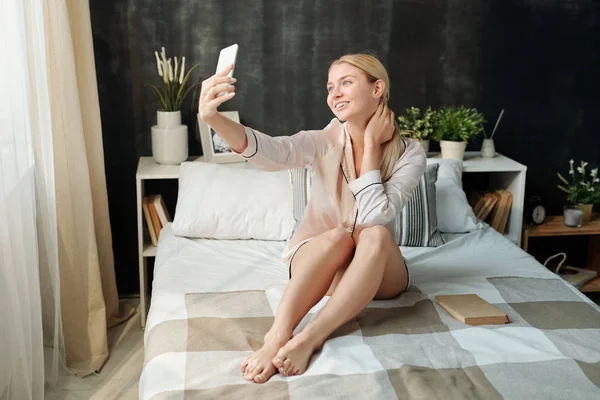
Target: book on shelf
x=156 y=215
x=161 y=210
x=501 y=210
x=492 y=207
x=484 y=204
x=149 y=224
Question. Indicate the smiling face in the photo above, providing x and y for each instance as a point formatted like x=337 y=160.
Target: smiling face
x=350 y=95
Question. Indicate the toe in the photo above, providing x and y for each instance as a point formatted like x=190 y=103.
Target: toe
x=258 y=376
x=277 y=361
x=265 y=374
x=253 y=371
x=280 y=358
x=289 y=370
x=249 y=374
x=288 y=367
x=244 y=365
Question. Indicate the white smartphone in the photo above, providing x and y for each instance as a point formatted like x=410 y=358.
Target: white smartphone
x=227 y=56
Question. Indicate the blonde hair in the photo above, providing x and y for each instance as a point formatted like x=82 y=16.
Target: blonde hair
x=374 y=70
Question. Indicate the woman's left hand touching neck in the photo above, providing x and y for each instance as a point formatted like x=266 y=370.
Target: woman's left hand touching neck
x=379 y=130
x=380 y=127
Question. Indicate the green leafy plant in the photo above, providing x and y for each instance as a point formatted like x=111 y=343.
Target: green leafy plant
x=173 y=89
x=417 y=124
x=458 y=124
x=580 y=189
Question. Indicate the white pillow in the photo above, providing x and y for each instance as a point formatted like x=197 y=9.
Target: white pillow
x=454 y=214
x=221 y=201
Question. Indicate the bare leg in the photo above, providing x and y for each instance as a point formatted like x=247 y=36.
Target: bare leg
x=376 y=271
x=313 y=269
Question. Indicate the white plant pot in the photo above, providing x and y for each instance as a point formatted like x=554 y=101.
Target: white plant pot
x=454 y=150
x=488 y=150
x=425 y=144
x=169 y=138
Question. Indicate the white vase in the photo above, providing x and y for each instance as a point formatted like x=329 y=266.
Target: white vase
x=452 y=149
x=169 y=138
x=425 y=144
x=488 y=150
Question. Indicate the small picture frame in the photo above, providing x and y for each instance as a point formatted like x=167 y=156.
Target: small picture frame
x=214 y=148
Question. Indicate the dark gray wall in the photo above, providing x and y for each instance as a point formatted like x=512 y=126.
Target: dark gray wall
x=537 y=59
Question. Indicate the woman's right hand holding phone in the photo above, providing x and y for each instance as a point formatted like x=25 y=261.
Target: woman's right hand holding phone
x=209 y=94
x=232 y=132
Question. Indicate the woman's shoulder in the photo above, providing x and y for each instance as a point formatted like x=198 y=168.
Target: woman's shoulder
x=412 y=152
x=329 y=136
x=333 y=128
x=333 y=124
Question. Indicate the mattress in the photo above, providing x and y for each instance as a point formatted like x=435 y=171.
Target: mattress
x=213 y=300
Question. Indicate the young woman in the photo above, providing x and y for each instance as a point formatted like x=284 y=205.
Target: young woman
x=363 y=173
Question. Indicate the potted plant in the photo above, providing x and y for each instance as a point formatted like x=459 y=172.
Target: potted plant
x=582 y=193
x=455 y=127
x=418 y=125
x=169 y=136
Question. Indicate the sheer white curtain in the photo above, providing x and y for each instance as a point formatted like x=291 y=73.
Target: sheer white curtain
x=31 y=349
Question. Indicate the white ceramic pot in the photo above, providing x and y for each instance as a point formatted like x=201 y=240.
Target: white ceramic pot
x=169 y=138
x=425 y=144
x=454 y=150
x=488 y=150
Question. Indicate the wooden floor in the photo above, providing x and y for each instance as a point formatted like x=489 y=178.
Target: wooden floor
x=119 y=377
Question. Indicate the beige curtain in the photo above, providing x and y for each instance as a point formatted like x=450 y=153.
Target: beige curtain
x=89 y=300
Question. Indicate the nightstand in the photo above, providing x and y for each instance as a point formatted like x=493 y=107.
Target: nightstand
x=504 y=173
x=149 y=169
x=554 y=226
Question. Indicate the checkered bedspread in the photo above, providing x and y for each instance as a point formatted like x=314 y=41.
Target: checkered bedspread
x=405 y=348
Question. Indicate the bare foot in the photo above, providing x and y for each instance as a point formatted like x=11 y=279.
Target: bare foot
x=258 y=367
x=293 y=358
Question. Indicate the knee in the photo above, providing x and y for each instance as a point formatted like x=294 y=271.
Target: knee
x=339 y=239
x=377 y=238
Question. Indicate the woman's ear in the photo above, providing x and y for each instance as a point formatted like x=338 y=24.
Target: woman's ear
x=379 y=89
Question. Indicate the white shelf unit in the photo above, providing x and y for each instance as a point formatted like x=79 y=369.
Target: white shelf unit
x=148 y=169
x=505 y=173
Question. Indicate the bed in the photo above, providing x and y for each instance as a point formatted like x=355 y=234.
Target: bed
x=213 y=301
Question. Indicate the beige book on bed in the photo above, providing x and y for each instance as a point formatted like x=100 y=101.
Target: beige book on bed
x=471 y=309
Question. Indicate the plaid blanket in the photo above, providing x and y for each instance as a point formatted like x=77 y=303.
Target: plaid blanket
x=405 y=348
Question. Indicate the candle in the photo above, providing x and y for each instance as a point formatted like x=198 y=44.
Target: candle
x=573 y=217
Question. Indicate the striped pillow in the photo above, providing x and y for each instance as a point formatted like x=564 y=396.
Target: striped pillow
x=298 y=178
x=416 y=225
